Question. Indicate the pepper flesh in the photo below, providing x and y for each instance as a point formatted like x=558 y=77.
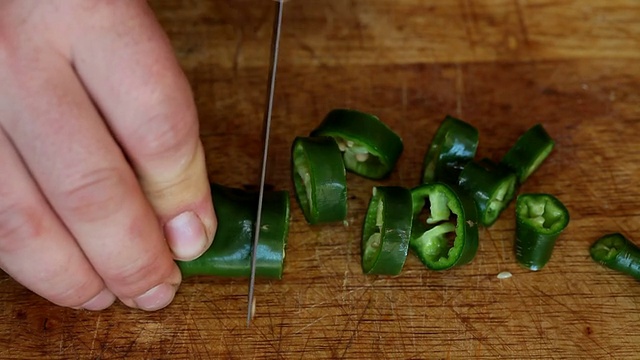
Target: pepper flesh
x=370 y=148
x=618 y=253
x=491 y=186
x=529 y=151
x=387 y=230
x=449 y=235
x=319 y=179
x=452 y=147
x=540 y=219
x=230 y=253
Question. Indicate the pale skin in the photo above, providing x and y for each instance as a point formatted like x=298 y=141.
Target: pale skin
x=103 y=181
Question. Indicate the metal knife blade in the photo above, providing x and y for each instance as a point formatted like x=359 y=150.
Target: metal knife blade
x=275 y=44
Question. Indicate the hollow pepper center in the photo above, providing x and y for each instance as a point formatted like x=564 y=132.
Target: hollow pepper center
x=543 y=212
x=372 y=245
x=437 y=225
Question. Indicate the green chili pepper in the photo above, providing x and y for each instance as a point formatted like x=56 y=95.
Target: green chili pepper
x=452 y=147
x=387 y=230
x=230 y=253
x=540 y=218
x=529 y=151
x=491 y=186
x=617 y=253
x=448 y=236
x=319 y=178
x=370 y=148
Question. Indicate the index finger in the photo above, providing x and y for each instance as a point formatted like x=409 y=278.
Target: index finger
x=128 y=66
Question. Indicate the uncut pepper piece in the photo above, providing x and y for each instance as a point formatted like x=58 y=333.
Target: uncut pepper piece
x=491 y=186
x=230 y=252
x=387 y=230
x=529 y=151
x=449 y=235
x=369 y=147
x=319 y=178
x=618 y=253
x=540 y=219
x=453 y=145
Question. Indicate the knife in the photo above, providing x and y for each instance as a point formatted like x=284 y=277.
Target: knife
x=275 y=43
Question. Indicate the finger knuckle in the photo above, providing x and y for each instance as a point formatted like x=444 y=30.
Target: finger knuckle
x=166 y=133
x=95 y=195
x=137 y=277
x=170 y=189
x=19 y=222
x=74 y=294
x=179 y=186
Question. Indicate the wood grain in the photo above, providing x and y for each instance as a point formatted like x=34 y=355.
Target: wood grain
x=500 y=65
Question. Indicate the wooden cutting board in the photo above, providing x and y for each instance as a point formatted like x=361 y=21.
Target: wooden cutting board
x=501 y=65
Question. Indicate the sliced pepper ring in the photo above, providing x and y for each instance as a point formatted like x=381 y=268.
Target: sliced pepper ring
x=491 y=186
x=529 y=151
x=370 y=148
x=540 y=219
x=449 y=235
x=319 y=179
x=230 y=253
x=452 y=147
x=387 y=230
x=616 y=252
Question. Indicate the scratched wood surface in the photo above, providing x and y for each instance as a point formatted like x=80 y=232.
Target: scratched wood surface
x=500 y=65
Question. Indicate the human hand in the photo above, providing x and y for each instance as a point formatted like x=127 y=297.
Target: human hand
x=103 y=179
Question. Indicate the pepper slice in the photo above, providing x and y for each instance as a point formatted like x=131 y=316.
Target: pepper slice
x=491 y=186
x=616 y=252
x=319 y=179
x=449 y=235
x=230 y=253
x=540 y=218
x=370 y=148
x=452 y=147
x=387 y=230
x=529 y=151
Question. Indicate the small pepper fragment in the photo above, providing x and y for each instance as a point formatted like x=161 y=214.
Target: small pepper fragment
x=230 y=253
x=387 y=230
x=452 y=147
x=529 y=151
x=491 y=186
x=618 y=253
x=540 y=219
x=449 y=235
x=319 y=179
x=370 y=148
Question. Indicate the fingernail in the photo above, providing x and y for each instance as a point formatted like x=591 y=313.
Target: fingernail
x=156 y=298
x=186 y=236
x=100 y=302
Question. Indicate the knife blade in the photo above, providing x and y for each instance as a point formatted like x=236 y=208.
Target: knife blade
x=275 y=44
